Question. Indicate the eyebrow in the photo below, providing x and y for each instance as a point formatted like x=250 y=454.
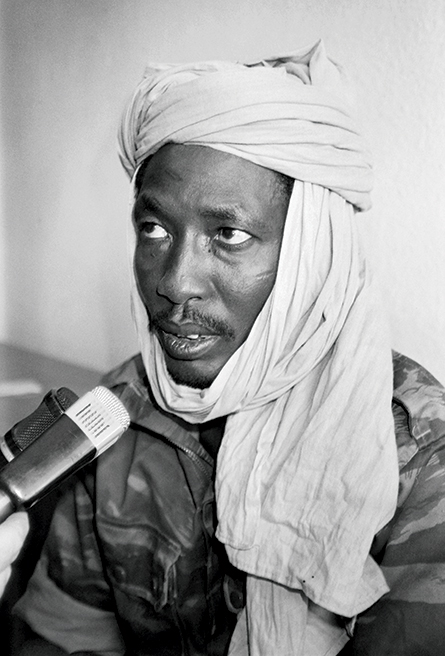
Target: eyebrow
x=147 y=202
x=233 y=214
x=230 y=213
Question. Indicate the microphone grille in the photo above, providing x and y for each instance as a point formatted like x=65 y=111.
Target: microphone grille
x=113 y=404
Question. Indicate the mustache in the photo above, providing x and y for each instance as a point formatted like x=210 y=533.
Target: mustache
x=198 y=318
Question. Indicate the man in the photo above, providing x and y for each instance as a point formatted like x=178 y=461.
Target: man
x=261 y=347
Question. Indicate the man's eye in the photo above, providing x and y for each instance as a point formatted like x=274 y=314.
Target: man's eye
x=152 y=230
x=232 y=236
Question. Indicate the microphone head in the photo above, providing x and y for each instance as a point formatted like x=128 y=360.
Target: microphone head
x=113 y=405
x=101 y=417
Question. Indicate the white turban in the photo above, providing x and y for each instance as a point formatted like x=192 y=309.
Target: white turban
x=291 y=114
x=307 y=469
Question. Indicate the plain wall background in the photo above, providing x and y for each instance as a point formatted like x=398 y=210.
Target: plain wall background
x=67 y=67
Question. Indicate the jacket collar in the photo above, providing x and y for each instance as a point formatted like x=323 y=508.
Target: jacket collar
x=130 y=384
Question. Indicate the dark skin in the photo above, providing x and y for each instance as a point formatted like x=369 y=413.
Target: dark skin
x=209 y=227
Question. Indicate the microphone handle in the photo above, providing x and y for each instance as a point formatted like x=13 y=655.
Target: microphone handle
x=45 y=463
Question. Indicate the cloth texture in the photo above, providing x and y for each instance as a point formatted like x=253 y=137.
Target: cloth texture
x=314 y=632
x=123 y=540
x=313 y=379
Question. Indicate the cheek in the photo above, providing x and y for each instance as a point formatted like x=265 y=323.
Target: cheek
x=146 y=272
x=247 y=294
x=255 y=287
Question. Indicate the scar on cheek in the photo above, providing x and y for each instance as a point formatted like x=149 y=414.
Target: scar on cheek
x=266 y=275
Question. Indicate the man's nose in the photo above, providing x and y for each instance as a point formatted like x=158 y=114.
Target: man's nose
x=186 y=272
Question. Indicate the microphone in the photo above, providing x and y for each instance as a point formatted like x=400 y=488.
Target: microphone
x=82 y=432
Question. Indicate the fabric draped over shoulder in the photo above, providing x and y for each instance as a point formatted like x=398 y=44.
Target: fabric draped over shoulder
x=307 y=469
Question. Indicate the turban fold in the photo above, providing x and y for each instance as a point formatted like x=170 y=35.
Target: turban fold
x=307 y=469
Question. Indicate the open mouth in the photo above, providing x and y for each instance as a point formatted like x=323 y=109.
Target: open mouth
x=186 y=347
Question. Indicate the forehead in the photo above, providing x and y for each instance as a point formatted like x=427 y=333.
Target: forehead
x=201 y=176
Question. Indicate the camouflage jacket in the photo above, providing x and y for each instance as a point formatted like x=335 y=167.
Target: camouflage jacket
x=131 y=564
x=410 y=619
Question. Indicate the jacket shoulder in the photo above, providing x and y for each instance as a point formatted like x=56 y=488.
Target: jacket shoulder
x=129 y=371
x=423 y=399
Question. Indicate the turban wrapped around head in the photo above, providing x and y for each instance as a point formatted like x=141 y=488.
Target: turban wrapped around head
x=307 y=469
x=291 y=114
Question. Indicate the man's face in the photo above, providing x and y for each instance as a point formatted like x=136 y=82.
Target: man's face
x=209 y=228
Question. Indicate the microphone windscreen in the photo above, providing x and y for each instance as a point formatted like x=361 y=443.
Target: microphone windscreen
x=113 y=405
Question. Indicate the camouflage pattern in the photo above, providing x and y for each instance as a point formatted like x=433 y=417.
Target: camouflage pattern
x=410 y=619
x=135 y=536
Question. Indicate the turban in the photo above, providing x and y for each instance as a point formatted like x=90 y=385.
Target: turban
x=291 y=114
x=307 y=469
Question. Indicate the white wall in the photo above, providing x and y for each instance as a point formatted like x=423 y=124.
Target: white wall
x=68 y=66
x=3 y=295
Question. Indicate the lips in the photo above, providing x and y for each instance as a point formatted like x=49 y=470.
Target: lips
x=186 y=342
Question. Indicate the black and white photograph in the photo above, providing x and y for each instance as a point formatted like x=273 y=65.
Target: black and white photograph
x=222 y=327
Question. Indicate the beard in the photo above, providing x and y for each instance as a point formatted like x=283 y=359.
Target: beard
x=192 y=379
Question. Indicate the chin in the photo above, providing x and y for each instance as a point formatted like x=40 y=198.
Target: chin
x=195 y=379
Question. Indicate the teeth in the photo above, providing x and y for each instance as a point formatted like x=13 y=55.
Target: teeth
x=189 y=336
